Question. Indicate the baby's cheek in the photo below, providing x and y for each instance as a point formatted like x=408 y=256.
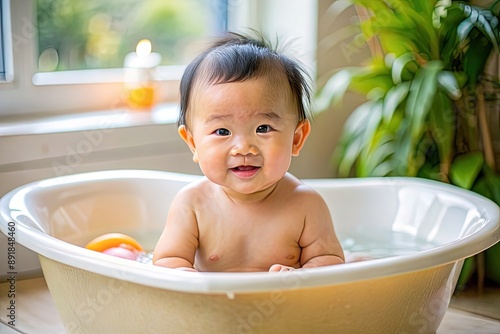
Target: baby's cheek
x=280 y=159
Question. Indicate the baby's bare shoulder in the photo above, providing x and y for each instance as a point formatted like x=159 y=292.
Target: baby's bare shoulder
x=291 y=184
x=298 y=191
x=194 y=191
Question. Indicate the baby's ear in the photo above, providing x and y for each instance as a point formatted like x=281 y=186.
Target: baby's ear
x=188 y=138
x=299 y=138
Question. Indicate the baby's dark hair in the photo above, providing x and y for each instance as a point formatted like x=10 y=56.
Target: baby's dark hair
x=236 y=58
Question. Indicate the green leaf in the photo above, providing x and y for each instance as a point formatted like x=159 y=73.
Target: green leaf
x=480 y=19
x=448 y=32
x=494 y=184
x=464 y=29
x=402 y=155
x=398 y=26
x=361 y=138
x=487 y=29
x=393 y=99
x=426 y=8
x=399 y=65
x=475 y=60
x=376 y=154
x=421 y=97
x=383 y=169
x=468 y=269
x=448 y=82
x=397 y=42
x=337 y=8
x=358 y=119
x=488 y=185
x=376 y=76
x=465 y=169
x=373 y=120
x=352 y=138
x=347 y=155
x=429 y=172
x=424 y=31
x=335 y=88
x=442 y=127
x=419 y=155
x=376 y=6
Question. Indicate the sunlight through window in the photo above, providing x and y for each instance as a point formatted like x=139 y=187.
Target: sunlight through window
x=95 y=34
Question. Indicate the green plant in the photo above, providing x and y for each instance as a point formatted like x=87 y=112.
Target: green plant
x=424 y=113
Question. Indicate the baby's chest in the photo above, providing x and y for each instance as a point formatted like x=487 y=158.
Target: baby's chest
x=248 y=243
x=240 y=230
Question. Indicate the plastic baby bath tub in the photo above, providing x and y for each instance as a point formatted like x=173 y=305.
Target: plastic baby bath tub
x=417 y=231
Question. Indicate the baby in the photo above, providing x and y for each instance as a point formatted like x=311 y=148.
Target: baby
x=243 y=115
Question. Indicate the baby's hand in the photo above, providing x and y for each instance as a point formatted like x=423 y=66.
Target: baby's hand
x=280 y=267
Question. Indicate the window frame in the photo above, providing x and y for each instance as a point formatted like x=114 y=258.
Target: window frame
x=6 y=43
x=2 y=61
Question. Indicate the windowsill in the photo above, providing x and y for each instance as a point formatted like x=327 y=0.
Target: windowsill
x=110 y=75
x=117 y=118
x=92 y=140
x=50 y=146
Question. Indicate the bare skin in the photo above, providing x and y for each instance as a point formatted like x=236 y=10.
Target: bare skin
x=248 y=214
x=287 y=225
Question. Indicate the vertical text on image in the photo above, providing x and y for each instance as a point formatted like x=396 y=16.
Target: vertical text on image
x=11 y=265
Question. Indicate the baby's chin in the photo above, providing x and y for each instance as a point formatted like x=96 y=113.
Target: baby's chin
x=255 y=185
x=248 y=188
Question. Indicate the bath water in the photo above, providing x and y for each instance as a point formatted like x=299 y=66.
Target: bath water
x=368 y=246
x=382 y=244
x=359 y=247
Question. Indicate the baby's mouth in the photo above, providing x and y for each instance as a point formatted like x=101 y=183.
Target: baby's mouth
x=244 y=168
x=245 y=171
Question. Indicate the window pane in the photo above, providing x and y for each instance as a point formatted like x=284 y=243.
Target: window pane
x=2 y=61
x=93 y=34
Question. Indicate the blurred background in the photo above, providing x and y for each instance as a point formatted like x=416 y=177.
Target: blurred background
x=94 y=34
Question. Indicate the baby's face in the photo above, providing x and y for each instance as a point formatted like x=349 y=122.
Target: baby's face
x=244 y=134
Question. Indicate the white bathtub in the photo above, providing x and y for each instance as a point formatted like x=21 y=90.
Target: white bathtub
x=420 y=231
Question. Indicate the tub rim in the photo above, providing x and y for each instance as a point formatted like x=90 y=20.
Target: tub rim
x=229 y=283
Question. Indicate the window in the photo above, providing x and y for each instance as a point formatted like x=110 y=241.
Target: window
x=43 y=79
x=96 y=34
x=67 y=86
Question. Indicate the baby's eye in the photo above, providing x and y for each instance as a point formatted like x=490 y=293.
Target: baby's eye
x=222 y=132
x=264 y=129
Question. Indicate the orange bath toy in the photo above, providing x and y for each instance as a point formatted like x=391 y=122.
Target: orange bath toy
x=116 y=244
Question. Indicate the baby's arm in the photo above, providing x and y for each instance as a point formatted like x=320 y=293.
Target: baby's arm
x=177 y=245
x=319 y=243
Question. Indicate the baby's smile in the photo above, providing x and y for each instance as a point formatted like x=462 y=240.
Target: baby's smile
x=245 y=170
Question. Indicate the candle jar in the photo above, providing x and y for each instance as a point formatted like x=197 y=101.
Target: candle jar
x=139 y=76
x=139 y=88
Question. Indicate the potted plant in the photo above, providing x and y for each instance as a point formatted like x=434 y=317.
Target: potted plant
x=425 y=91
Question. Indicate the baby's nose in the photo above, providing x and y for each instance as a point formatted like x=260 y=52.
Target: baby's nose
x=243 y=146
